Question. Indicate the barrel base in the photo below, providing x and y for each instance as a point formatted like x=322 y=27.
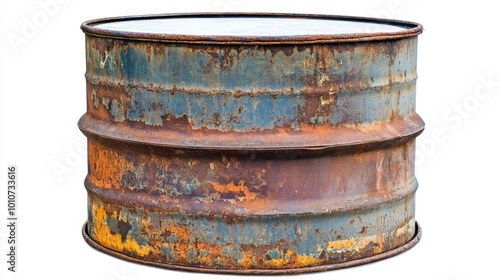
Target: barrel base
x=319 y=268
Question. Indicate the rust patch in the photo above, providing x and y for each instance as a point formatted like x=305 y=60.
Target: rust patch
x=230 y=190
x=114 y=241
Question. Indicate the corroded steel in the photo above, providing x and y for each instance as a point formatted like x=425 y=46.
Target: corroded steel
x=251 y=154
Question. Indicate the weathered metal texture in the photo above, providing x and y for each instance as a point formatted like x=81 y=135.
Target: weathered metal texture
x=251 y=155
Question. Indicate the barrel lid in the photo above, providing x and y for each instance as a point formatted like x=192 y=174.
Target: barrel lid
x=250 y=28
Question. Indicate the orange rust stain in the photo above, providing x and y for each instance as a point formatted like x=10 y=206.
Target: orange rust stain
x=205 y=253
x=214 y=251
x=181 y=231
x=107 y=166
x=241 y=191
x=182 y=245
x=103 y=235
x=154 y=238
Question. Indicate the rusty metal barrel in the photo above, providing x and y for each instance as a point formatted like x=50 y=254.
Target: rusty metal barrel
x=251 y=143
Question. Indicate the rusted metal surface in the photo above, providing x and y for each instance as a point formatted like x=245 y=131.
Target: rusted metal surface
x=248 y=154
x=330 y=266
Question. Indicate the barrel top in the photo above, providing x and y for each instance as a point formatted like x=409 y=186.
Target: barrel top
x=238 y=28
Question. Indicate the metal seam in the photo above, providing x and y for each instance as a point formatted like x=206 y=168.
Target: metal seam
x=109 y=82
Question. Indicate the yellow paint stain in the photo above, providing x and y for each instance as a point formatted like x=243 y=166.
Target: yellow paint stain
x=356 y=245
x=305 y=260
x=247 y=260
x=238 y=190
x=292 y=260
x=284 y=261
x=380 y=245
x=112 y=241
x=276 y=263
x=341 y=245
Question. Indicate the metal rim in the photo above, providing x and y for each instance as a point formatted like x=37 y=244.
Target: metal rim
x=413 y=30
x=416 y=238
x=393 y=132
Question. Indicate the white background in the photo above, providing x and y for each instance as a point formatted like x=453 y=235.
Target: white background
x=43 y=96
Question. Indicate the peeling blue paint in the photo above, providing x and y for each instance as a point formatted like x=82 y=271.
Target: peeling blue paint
x=112 y=224
x=303 y=234
x=175 y=184
x=191 y=255
x=234 y=251
x=106 y=102
x=168 y=252
x=264 y=111
x=233 y=113
x=253 y=88
x=274 y=254
x=249 y=68
x=134 y=65
x=116 y=111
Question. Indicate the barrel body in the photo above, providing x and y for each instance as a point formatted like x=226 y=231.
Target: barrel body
x=251 y=156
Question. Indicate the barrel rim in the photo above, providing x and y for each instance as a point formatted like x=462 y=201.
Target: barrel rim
x=286 y=271
x=413 y=30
